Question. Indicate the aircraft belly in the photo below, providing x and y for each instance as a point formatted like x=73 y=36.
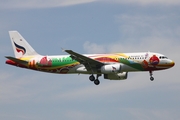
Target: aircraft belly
x=73 y=69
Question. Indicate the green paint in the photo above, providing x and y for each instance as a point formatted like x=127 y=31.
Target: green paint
x=132 y=64
x=65 y=61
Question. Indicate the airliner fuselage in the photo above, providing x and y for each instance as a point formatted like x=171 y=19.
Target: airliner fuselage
x=113 y=66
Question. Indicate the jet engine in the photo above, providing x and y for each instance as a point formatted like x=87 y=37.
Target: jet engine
x=116 y=76
x=112 y=68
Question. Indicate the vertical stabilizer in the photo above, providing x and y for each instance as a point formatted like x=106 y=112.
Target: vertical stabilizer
x=20 y=46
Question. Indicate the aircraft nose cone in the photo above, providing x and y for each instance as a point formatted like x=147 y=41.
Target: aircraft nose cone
x=172 y=63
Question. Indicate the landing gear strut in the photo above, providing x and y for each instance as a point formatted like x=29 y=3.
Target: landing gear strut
x=151 y=77
x=96 y=81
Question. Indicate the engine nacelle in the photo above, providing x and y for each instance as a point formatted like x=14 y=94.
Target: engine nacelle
x=116 y=76
x=112 y=68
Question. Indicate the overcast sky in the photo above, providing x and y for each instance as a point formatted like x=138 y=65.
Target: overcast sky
x=90 y=26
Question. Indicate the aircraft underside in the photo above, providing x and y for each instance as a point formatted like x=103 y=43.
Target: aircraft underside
x=81 y=69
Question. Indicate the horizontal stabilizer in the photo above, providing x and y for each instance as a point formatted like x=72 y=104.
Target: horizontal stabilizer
x=22 y=62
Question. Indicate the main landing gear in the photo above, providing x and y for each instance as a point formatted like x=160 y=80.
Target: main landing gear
x=96 y=81
x=151 y=77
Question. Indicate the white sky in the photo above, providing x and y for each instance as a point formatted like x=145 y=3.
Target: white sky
x=90 y=26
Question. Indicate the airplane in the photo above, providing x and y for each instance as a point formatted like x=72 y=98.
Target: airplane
x=114 y=66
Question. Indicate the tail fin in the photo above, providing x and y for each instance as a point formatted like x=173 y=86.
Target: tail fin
x=20 y=46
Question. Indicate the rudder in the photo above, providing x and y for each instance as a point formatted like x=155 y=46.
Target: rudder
x=20 y=46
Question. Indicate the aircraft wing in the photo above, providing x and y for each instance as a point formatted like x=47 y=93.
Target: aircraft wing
x=89 y=63
x=22 y=62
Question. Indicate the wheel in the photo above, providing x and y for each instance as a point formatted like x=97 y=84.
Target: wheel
x=91 y=78
x=151 y=78
x=96 y=82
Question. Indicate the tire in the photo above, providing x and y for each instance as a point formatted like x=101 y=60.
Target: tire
x=151 y=78
x=96 y=82
x=91 y=78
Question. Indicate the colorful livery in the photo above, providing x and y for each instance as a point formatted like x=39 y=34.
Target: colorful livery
x=112 y=66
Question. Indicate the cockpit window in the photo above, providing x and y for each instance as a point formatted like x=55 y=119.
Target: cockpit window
x=163 y=57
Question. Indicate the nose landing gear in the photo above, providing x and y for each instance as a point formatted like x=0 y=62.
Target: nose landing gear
x=151 y=77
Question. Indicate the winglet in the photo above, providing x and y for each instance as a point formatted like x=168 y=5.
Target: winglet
x=63 y=50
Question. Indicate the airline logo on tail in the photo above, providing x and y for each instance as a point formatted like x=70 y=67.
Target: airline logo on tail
x=20 y=48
